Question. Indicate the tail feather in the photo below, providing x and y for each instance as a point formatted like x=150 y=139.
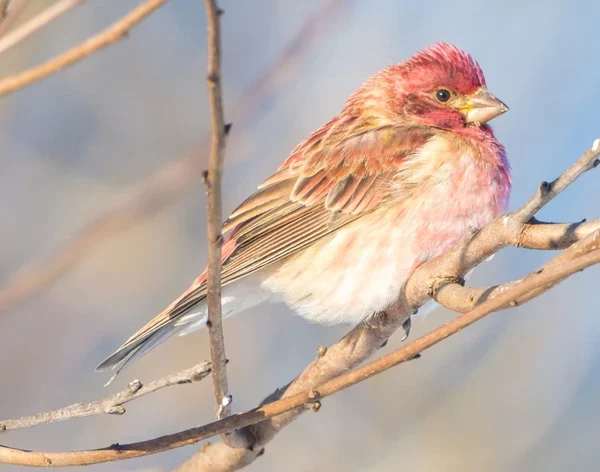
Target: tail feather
x=132 y=350
x=187 y=314
x=128 y=354
x=118 y=356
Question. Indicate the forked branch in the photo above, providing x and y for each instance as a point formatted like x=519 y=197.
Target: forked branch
x=112 y=405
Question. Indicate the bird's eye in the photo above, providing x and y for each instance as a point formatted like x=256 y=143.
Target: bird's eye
x=442 y=95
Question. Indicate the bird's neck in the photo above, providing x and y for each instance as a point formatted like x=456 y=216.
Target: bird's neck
x=486 y=147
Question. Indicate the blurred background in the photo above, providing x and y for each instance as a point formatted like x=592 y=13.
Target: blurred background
x=517 y=391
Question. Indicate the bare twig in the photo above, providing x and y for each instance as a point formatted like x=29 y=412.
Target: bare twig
x=548 y=190
x=462 y=299
x=539 y=235
x=138 y=201
x=11 y=12
x=112 y=405
x=214 y=209
x=309 y=35
x=112 y=34
x=166 y=185
x=214 y=218
x=3 y=9
x=328 y=372
x=37 y=22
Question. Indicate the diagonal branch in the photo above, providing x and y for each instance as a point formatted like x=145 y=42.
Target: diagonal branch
x=37 y=22
x=136 y=202
x=112 y=34
x=458 y=298
x=3 y=9
x=548 y=190
x=539 y=235
x=112 y=405
x=309 y=35
x=9 y=13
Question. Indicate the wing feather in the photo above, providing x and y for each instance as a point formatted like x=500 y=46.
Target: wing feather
x=337 y=175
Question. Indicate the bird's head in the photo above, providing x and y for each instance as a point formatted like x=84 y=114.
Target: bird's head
x=441 y=86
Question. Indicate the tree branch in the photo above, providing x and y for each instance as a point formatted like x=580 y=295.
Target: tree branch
x=10 y=13
x=539 y=235
x=462 y=299
x=138 y=201
x=37 y=22
x=112 y=405
x=547 y=191
x=329 y=372
x=3 y=9
x=215 y=213
x=309 y=35
x=112 y=34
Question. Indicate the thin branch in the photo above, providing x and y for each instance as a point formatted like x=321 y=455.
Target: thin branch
x=462 y=299
x=13 y=8
x=329 y=372
x=539 y=235
x=292 y=403
x=3 y=9
x=112 y=405
x=548 y=190
x=112 y=34
x=169 y=183
x=215 y=212
x=310 y=34
x=139 y=201
x=37 y=22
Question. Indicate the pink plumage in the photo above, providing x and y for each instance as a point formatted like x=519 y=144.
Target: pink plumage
x=402 y=173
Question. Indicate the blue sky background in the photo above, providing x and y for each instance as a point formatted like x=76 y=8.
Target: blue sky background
x=517 y=391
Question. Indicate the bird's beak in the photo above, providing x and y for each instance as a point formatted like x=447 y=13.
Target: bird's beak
x=482 y=107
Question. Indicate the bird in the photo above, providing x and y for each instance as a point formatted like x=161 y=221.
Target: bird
x=406 y=169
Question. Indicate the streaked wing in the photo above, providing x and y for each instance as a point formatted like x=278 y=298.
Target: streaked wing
x=327 y=182
x=337 y=175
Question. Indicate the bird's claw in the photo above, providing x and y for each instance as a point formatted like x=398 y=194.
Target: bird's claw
x=406 y=327
x=473 y=230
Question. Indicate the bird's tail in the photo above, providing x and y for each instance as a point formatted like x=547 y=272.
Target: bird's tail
x=185 y=315
x=132 y=350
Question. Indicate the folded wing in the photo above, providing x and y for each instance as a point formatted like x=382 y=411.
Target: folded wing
x=340 y=173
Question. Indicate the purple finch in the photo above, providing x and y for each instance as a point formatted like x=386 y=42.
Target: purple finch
x=402 y=173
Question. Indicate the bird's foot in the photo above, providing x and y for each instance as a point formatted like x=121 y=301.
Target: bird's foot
x=406 y=327
x=439 y=281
